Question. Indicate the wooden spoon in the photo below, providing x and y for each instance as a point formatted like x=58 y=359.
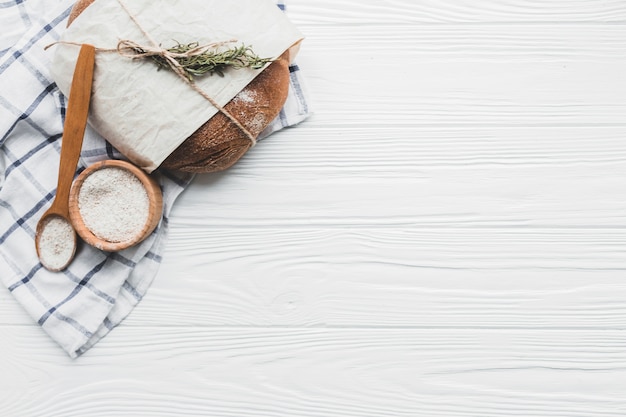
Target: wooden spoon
x=55 y=239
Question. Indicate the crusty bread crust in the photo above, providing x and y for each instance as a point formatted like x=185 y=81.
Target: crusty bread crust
x=219 y=143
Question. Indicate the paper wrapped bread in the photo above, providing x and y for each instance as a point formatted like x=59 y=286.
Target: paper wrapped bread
x=219 y=143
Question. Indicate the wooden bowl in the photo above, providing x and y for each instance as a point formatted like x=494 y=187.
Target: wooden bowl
x=132 y=235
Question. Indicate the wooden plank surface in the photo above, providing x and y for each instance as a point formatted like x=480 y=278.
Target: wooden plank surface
x=178 y=371
x=446 y=236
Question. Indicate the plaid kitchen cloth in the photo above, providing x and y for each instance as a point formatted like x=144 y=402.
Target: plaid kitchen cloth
x=80 y=305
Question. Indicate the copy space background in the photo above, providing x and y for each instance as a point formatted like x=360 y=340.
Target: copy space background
x=445 y=237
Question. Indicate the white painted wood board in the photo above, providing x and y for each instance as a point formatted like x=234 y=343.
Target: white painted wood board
x=446 y=236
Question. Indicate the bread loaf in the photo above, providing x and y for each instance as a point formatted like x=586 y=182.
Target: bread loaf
x=219 y=143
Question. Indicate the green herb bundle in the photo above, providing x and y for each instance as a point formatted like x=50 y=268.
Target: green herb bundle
x=209 y=61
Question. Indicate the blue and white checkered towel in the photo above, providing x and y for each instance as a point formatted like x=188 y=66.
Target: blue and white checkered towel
x=80 y=305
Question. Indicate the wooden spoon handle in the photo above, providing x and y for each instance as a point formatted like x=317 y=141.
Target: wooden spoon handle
x=75 y=124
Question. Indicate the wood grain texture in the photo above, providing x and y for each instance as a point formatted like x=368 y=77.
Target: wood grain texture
x=423 y=278
x=446 y=236
x=353 y=12
x=311 y=372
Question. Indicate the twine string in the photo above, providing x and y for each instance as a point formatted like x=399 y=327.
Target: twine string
x=133 y=50
x=130 y=49
x=178 y=70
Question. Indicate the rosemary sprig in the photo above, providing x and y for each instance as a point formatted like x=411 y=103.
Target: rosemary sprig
x=212 y=61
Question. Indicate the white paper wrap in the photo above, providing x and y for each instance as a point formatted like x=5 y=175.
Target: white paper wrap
x=146 y=113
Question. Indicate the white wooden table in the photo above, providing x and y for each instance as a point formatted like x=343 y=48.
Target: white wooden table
x=445 y=237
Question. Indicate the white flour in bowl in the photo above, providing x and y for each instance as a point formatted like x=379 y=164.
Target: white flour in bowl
x=113 y=204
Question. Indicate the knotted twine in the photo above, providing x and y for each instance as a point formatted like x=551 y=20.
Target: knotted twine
x=130 y=49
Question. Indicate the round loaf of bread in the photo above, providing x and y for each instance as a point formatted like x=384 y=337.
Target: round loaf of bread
x=219 y=143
